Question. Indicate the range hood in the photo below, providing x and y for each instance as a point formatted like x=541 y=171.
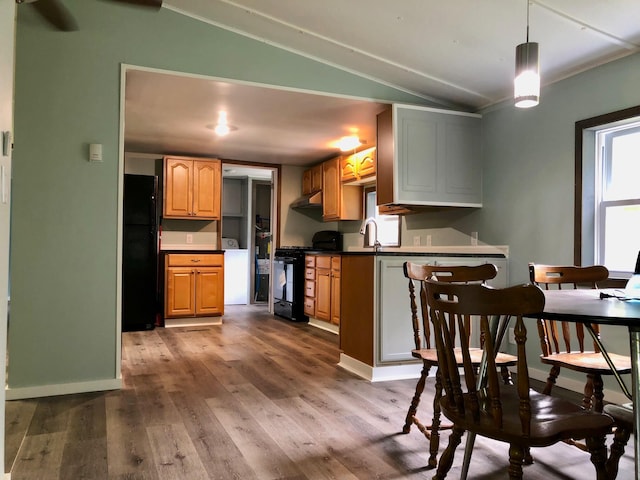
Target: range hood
x=308 y=201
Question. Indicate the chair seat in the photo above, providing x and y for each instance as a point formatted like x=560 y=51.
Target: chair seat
x=431 y=355
x=552 y=419
x=589 y=362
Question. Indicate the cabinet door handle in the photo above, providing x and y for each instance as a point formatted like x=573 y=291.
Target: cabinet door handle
x=196 y=260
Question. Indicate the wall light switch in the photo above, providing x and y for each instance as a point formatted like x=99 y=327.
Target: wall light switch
x=416 y=240
x=189 y=238
x=474 y=238
x=95 y=153
x=428 y=240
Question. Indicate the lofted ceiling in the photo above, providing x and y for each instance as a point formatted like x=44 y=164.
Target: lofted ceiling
x=457 y=53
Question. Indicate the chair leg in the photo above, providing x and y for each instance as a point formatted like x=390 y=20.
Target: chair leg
x=588 y=392
x=551 y=379
x=598 y=451
x=506 y=375
x=620 y=438
x=434 y=444
x=413 y=408
x=516 y=458
x=598 y=393
x=447 y=456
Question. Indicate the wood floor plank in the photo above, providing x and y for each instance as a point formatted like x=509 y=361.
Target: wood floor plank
x=260 y=451
x=219 y=454
x=128 y=448
x=18 y=416
x=175 y=456
x=154 y=401
x=40 y=457
x=256 y=398
x=310 y=456
x=84 y=459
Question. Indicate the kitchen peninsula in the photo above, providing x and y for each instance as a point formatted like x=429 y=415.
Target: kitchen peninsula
x=375 y=319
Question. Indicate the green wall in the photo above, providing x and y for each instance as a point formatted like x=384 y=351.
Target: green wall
x=64 y=217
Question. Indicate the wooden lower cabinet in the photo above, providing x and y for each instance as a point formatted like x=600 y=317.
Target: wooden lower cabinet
x=194 y=285
x=325 y=300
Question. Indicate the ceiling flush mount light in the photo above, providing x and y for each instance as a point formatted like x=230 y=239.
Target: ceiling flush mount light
x=526 y=86
x=349 y=143
x=222 y=128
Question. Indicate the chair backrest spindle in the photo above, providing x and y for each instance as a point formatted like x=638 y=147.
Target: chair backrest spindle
x=555 y=337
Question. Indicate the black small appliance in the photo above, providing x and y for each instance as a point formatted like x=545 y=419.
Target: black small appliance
x=327 y=240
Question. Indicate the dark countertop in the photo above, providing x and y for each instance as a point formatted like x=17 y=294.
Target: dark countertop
x=408 y=254
x=190 y=252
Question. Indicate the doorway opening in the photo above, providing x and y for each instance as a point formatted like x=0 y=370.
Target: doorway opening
x=248 y=221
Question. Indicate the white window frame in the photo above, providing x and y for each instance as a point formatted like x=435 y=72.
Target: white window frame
x=603 y=158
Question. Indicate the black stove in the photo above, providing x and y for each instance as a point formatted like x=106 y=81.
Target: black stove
x=288 y=283
x=288 y=277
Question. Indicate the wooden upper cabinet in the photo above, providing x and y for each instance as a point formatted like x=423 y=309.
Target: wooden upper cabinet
x=206 y=189
x=339 y=202
x=331 y=190
x=178 y=191
x=358 y=165
x=312 y=180
x=192 y=188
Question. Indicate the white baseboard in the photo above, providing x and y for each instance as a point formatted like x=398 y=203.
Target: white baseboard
x=192 y=321
x=63 y=389
x=405 y=371
x=380 y=374
x=322 y=325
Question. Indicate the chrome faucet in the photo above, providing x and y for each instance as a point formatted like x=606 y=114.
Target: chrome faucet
x=363 y=230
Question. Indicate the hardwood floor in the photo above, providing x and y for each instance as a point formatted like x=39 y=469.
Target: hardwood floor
x=255 y=398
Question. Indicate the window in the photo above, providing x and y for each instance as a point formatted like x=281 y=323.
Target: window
x=388 y=225
x=607 y=193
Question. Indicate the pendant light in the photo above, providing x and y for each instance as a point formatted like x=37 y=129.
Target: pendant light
x=526 y=91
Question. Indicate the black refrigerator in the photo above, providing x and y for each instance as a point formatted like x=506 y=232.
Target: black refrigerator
x=140 y=292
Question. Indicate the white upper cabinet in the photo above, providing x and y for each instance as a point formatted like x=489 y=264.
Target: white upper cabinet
x=429 y=157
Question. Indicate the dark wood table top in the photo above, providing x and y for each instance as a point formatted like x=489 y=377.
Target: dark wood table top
x=585 y=305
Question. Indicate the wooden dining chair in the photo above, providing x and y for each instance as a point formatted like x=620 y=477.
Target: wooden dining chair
x=560 y=349
x=425 y=349
x=514 y=414
x=623 y=417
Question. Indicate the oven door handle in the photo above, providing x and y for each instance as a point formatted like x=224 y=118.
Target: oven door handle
x=287 y=260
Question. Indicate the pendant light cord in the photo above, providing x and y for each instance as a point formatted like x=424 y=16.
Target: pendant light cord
x=528 y=3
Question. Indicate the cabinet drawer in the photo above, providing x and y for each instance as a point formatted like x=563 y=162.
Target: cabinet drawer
x=310 y=261
x=309 y=288
x=309 y=273
x=323 y=261
x=194 y=259
x=309 y=306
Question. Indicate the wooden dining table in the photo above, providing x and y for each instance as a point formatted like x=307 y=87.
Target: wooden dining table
x=604 y=307
x=588 y=306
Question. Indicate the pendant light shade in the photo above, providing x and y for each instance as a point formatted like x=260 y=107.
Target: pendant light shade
x=526 y=85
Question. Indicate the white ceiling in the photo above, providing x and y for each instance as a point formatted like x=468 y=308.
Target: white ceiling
x=459 y=53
